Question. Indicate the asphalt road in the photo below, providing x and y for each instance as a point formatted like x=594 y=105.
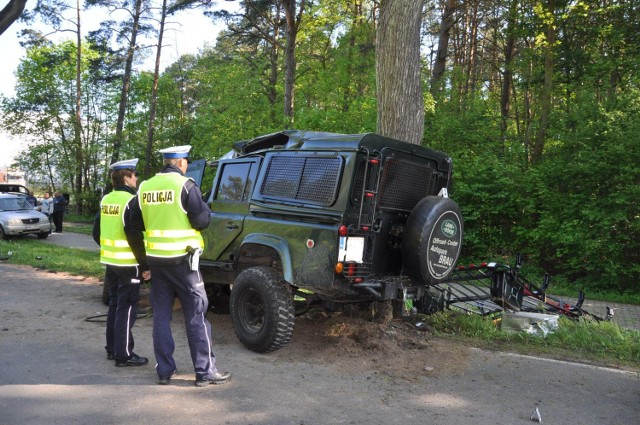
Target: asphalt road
x=54 y=371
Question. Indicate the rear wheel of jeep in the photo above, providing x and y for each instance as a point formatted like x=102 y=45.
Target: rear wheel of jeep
x=262 y=310
x=432 y=239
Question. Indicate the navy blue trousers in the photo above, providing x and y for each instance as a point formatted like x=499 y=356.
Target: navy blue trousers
x=167 y=281
x=124 y=293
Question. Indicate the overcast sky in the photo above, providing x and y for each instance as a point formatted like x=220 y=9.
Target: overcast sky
x=193 y=31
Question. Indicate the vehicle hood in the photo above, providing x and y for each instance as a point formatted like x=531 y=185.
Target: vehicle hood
x=22 y=214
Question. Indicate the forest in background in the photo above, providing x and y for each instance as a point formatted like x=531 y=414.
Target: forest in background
x=537 y=102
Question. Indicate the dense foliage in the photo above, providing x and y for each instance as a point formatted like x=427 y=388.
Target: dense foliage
x=538 y=103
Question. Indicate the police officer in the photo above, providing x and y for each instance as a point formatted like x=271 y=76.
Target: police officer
x=123 y=273
x=170 y=211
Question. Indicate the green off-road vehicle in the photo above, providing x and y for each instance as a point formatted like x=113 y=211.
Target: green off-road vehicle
x=333 y=218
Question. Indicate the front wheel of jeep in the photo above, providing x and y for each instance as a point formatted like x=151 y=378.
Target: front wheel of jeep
x=262 y=310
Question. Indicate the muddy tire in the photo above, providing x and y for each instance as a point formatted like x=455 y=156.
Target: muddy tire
x=262 y=310
x=432 y=239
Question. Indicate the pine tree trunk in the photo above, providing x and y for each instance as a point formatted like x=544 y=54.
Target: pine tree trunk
x=399 y=90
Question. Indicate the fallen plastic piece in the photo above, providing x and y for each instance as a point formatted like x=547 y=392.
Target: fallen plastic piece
x=536 y=416
x=531 y=323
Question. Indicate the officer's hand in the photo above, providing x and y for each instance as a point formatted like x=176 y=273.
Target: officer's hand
x=146 y=275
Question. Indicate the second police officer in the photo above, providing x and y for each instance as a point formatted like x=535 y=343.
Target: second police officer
x=170 y=213
x=123 y=272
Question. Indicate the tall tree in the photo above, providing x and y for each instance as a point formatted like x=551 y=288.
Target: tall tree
x=56 y=14
x=293 y=11
x=400 y=98
x=444 y=32
x=547 y=15
x=256 y=31
x=129 y=30
x=154 y=92
x=507 y=74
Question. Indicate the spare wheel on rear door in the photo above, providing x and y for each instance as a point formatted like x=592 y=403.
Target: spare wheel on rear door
x=432 y=239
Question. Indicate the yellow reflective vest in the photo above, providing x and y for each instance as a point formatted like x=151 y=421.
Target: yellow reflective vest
x=114 y=248
x=168 y=232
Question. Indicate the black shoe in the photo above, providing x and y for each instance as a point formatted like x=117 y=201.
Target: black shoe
x=216 y=379
x=109 y=356
x=166 y=381
x=134 y=360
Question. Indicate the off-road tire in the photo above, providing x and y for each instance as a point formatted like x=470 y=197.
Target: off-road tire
x=262 y=310
x=432 y=239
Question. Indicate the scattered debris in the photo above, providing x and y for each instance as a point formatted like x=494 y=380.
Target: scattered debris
x=5 y=256
x=535 y=416
x=491 y=288
x=531 y=323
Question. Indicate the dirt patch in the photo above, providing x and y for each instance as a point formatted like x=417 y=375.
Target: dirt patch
x=348 y=343
x=353 y=345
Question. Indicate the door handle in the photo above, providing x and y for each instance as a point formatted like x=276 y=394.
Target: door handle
x=231 y=226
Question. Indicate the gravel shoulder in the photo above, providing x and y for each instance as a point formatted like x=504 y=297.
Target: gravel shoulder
x=333 y=371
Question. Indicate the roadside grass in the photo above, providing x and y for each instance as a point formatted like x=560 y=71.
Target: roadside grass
x=43 y=256
x=602 y=343
x=78 y=223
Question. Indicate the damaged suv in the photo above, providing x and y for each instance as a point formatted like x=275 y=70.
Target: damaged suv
x=330 y=217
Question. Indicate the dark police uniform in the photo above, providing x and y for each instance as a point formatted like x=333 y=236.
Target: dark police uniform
x=123 y=273
x=170 y=212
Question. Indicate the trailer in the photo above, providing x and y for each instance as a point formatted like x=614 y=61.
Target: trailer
x=489 y=288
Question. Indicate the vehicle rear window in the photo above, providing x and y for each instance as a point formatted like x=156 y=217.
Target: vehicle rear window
x=302 y=179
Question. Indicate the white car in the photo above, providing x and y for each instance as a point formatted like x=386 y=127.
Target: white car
x=18 y=217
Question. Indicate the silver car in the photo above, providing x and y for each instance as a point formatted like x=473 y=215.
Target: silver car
x=18 y=217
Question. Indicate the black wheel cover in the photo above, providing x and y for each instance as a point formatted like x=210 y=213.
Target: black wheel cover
x=262 y=310
x=432 y=239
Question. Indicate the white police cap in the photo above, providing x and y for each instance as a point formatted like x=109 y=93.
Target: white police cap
x=175 y=152
x=129 y=164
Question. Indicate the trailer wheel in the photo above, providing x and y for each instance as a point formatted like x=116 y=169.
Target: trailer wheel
x=262 y=310
x=432 y=239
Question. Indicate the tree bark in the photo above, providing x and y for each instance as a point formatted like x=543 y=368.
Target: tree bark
x=293 y=23
x=443 y=46
x=507 y=75
x=10 y=13
x=545 y=112
x=399 y=91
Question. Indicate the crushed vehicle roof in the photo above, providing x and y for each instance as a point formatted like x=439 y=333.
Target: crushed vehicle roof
x=312 y=140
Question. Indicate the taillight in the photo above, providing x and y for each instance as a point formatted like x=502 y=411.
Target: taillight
x=343 y=231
